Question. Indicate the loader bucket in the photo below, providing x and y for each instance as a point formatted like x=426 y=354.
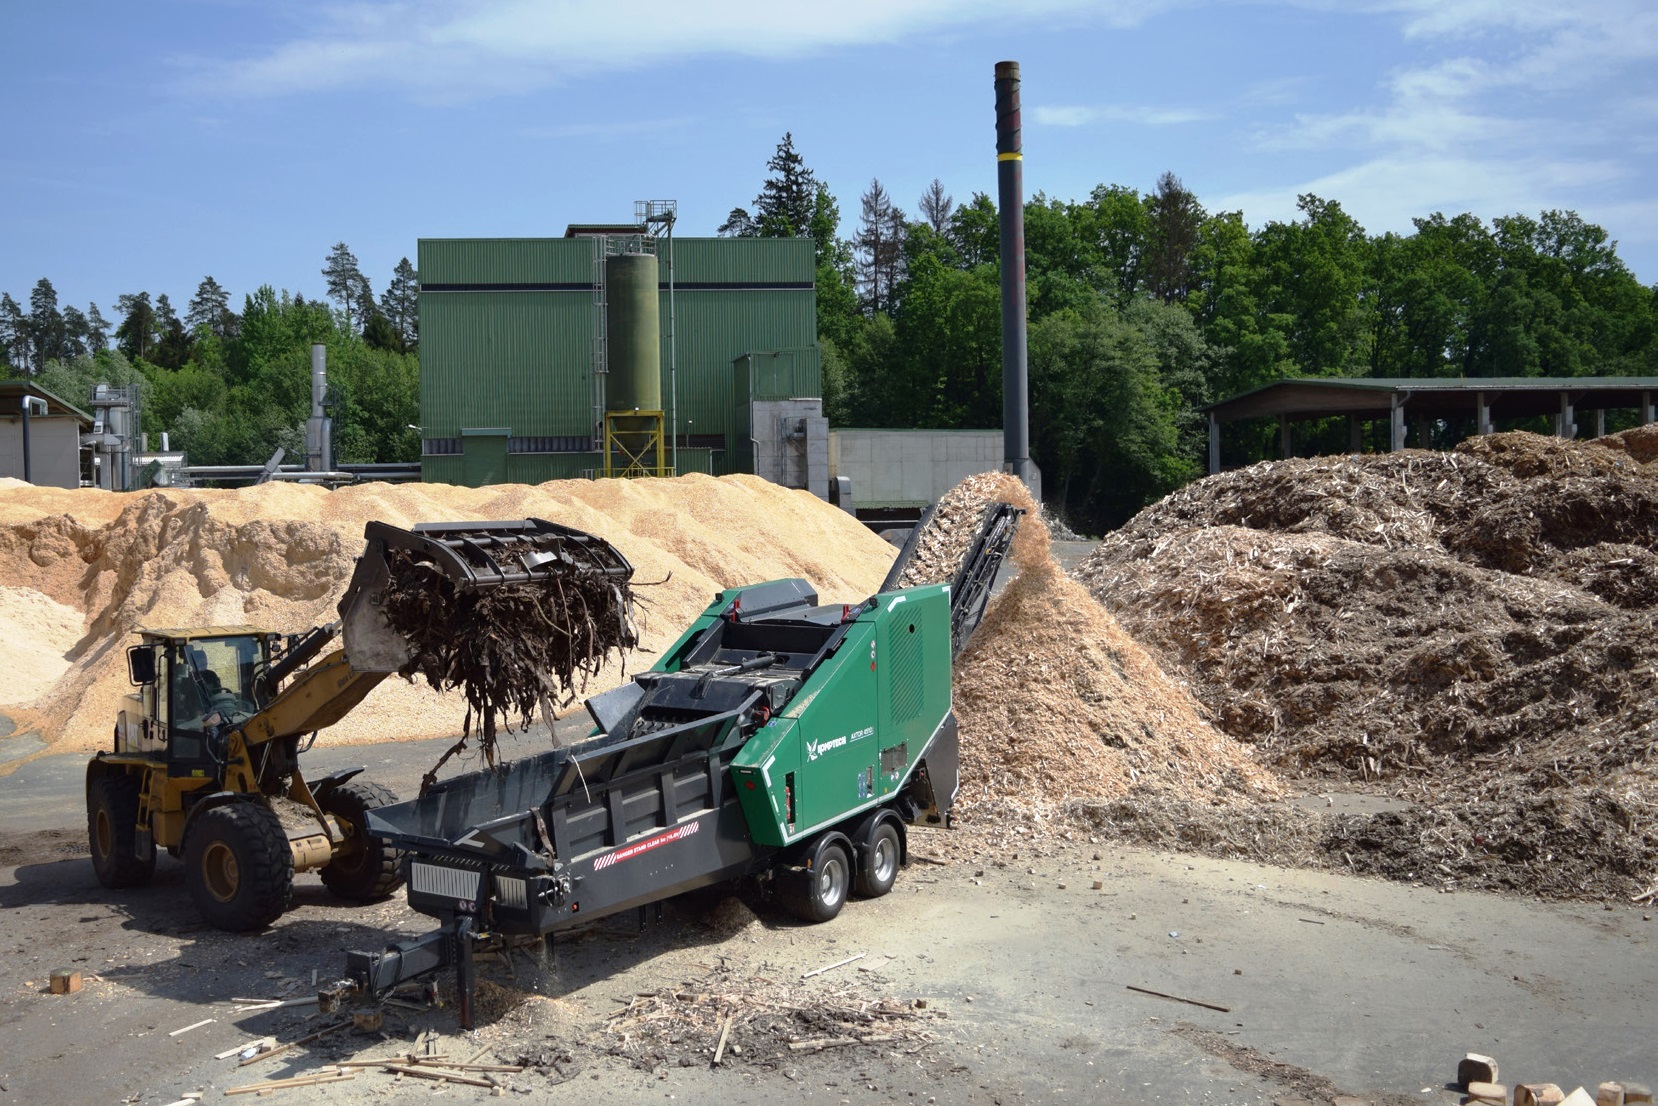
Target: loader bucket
x=472 y=556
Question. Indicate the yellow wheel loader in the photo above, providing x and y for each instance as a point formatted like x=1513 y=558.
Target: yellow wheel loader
x=206 y=756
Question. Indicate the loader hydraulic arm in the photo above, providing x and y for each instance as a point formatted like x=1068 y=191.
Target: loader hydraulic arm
x=316 y=698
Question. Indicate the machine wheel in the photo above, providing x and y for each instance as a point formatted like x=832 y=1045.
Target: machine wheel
x=365 y=868
x=238 y=866
x=112 y=831
x=817 y=893
x=878 y=861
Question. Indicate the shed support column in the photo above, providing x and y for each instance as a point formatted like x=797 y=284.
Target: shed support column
x=1600 y=422
x=1214 y=443
x=1564 y=424
x=1284 y=437
x=1396 y=426
x=1646 y=408
x=1482 y=417
x=1355 y=439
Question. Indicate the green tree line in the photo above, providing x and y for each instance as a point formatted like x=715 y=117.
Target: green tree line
x=229 y=387
x=1144 y=307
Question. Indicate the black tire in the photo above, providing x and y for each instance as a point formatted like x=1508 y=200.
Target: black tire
x=238 y=866
x=817 y=892
x=878 y=861
x=365 y=867
x=112 y=832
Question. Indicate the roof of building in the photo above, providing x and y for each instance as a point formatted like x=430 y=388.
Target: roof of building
x=13 y=391
x=1374 y=397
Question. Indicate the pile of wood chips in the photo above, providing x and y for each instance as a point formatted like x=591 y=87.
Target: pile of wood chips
x=1055 y=702
x=1476 y=631
x=759 y=1022
x=943 y=543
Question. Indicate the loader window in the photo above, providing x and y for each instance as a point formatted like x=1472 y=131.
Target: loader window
x=210 y=686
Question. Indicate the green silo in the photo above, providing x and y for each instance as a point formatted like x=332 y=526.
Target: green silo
x=633 y=333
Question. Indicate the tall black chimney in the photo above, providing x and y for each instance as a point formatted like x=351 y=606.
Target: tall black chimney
x=1010 y=197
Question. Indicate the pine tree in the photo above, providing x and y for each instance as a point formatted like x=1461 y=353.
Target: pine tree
x=74 y=332
x=46 y=332
x=14 y=333
x=739 y=224
x=1176 y=218
x=97 y=329
x=784 y=207
x=345 y=281
x=880 y=248
x=936 y=207
x=136 y=334
x=401 y=304
x=210 y=309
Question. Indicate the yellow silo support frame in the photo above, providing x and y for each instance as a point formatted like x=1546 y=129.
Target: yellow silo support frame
x=635 y=444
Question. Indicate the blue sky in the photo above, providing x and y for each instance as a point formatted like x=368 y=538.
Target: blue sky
x=149 y=145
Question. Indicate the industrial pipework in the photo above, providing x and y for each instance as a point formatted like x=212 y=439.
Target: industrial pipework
x=1010 y=188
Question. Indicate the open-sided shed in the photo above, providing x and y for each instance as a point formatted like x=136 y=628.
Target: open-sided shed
x=1402 y=401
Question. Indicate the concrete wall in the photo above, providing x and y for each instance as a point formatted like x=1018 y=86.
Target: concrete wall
x=791 y=443
x=54 y=450
x=909 y=468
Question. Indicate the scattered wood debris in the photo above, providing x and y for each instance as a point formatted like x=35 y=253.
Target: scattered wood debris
x=758 y=1019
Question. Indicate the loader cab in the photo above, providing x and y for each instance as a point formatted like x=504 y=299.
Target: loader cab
x=192 y=684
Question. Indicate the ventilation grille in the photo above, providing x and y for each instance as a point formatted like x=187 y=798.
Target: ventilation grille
x=905 y=666
x=511 y=891
x=451 y=883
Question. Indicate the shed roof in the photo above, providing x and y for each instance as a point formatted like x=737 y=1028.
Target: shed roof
x=1374 y=397
x=13 y=391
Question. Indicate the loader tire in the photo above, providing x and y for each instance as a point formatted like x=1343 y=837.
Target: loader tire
x=365 y=868
x=112 y=832
x=878 y=862
x=238 y=866
x=816 y=893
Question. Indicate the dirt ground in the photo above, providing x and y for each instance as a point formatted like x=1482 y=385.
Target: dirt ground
x=1011 y=968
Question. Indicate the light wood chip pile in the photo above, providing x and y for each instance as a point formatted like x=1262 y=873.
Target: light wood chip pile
x=954 y=523
x=278 y=556
x=1055 y=702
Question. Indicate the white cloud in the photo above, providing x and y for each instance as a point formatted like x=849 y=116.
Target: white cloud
x=460 y=47
x=1507 y=106
x=1073 y=115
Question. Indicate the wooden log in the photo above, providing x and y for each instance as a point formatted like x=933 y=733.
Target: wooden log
x=1609 y=1094
x=725 y=1031
x=1474 y=1068
x=305 y=1040
x=65 y=981
x=1479 y=1091
x=1538 y=1094
x=1636 y=1094
x=423 y=1072
x=264 y=1085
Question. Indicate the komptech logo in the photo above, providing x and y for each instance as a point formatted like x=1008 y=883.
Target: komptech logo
x=815 y=749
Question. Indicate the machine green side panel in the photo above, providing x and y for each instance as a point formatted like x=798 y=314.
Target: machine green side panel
x=854 y=732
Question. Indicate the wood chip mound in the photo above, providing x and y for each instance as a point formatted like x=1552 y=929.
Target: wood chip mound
x=1055 y=702
x=278 y=556
x=949 y=533
x=1435 y=623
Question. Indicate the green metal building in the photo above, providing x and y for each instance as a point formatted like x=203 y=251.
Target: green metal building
x=511 y=334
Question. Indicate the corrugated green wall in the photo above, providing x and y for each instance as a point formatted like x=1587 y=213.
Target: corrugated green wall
x=506 y=329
